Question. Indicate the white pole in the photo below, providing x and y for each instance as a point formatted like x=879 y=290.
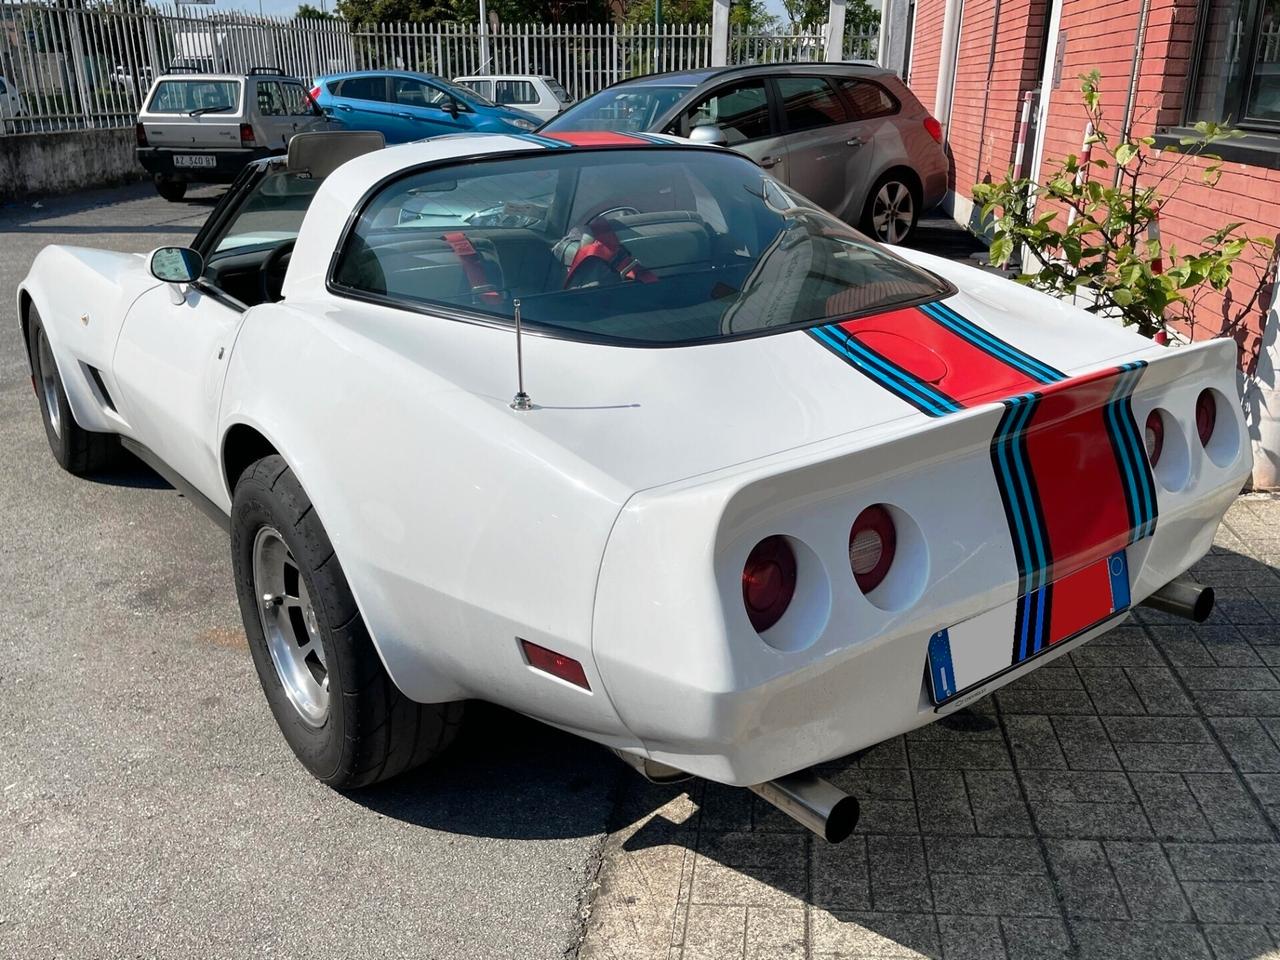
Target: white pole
x=947 y=61
x=484 y=38
x=720 y=33
x=835 y=31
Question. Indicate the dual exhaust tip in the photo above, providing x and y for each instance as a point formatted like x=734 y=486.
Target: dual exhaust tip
x=832 y=814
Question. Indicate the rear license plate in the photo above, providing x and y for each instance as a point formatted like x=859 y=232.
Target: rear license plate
x=194 y=160
x=974 y=651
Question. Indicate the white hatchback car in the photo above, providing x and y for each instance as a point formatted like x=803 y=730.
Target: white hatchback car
x=542 y=96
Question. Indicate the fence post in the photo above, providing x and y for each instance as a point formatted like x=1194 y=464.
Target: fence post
x=835 y=30
x=720 y=33
x=78 y=56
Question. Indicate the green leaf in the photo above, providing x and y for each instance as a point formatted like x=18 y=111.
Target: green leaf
x=1124 y=153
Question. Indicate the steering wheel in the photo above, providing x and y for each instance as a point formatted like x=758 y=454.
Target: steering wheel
x=271 y=273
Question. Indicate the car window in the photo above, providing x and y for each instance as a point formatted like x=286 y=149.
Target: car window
x=866 y=98
x=297 y=101
x=740 y=110
x=414 y=93
x=363 y=88
x=482 y=87
x=623 y=108
x=270 y=214
x=660 y=246
x=185 y=96
x=514 y=91
x=270 y=99
x=3 y=88
x=558 y=91
x=809 y=102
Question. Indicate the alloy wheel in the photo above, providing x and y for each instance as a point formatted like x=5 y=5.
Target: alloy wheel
x=290 y=627
x=892 y=212
x=49 y=382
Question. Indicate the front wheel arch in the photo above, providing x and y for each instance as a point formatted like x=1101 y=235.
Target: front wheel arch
x=242 y=447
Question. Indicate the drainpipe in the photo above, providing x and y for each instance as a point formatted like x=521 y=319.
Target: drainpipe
x=1134 y=68
x=947 y=62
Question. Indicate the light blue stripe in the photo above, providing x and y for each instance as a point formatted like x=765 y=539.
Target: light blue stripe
x=1011 y=488
x=887 y=374
x=543 y=141
x=1113 y=416
x=1042 y=558
x=975 y=334
x=1137 y=450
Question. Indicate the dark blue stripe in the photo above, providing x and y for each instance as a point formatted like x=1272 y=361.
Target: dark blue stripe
x=1041 y=554
x=543 y=141
x=886 y=373
x=1022 y=544
x=991 y=344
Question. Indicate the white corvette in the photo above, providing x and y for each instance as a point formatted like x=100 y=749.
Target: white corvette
x=769 y=493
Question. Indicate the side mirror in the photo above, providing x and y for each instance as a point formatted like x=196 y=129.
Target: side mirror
x=710 y=134
x=451 y=107
x=176 y=264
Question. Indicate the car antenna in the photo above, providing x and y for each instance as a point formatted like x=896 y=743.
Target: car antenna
x=521 y=400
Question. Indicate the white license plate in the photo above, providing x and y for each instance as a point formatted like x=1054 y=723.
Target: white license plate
x=194 y=160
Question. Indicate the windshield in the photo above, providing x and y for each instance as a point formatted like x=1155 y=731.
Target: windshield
x=269 y=215
x=619 y=108
x=188 y=96
x=665 y=246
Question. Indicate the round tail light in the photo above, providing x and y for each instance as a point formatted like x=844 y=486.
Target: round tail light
x=768 y=582
x=1153 y=436
x=1206 y=416
x=872 y=543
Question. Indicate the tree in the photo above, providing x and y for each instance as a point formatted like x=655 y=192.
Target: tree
x=468 y=11
x=859 y=16
x=307 y=12
x=748 y=15
x=1090 y=236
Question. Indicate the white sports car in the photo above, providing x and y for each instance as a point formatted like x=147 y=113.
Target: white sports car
x=621 y=433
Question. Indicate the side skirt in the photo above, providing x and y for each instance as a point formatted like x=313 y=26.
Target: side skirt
x=179 y=483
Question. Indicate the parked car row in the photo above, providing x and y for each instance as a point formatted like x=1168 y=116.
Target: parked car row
x=851 y=137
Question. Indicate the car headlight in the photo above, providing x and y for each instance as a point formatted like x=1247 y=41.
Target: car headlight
x=523 y=124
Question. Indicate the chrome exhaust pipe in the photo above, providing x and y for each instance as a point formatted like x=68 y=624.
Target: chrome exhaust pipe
x=1183 y=597
x=814 y=803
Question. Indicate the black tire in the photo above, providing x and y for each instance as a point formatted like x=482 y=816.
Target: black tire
x=171 y=190
x=370 y=731
x=893 y=185
x=78 y=451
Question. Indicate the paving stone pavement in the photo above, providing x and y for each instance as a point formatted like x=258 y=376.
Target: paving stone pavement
x=1120 y=803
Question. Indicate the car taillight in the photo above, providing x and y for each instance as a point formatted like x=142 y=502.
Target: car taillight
x=1206 y=416
x=768 y=582
x=140 y=134
x=1153 y=436
x=315 y=94
x=934 y=128
x=247 y=138
x=873 y=540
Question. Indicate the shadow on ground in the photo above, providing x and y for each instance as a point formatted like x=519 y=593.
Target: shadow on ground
x=1121 y=801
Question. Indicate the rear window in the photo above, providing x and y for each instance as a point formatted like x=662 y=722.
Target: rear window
x=619 y=108
x=558 y=91
x=659 y=246
x=190 y=96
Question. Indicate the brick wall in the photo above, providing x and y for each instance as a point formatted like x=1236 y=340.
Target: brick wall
x=1101 y=35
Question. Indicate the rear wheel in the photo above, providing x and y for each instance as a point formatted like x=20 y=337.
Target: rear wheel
x=893 y=207
x=171 y=190
x=345 y=720
x=78 y=451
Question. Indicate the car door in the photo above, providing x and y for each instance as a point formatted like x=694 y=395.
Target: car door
x=873 y=109
x=422 y=110
x=743 y=112
x=272 y=114
x=829 y=150
x=361 y=104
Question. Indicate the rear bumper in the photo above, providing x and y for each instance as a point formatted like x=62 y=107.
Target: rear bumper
x=159 y=162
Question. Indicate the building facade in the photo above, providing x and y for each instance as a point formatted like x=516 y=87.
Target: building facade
x=1165 y=64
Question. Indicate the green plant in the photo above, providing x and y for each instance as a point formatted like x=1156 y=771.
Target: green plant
x=1086 y=227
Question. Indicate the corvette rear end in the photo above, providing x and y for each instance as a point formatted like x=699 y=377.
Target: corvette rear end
x=756 y=622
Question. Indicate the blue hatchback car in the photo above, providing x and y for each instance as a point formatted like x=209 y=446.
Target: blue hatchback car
x=411 y=106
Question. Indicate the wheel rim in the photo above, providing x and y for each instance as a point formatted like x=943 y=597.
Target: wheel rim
x=49 y=383
x=290 y=627
x=892 y=211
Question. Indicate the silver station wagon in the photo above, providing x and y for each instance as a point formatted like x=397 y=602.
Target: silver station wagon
x=206 y=128
x=849 y=136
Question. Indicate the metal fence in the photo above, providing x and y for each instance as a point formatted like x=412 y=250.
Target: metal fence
x=70 y=65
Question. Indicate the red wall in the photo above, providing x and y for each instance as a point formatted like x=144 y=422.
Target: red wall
x=1101 y=34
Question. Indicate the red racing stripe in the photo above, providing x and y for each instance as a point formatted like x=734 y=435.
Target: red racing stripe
x=596 y=138
x=1080 y=600
x=925 y=348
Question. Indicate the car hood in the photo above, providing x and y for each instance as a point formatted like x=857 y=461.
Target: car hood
x=647 y=416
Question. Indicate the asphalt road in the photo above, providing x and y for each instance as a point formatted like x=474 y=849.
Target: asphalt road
x=148 y=807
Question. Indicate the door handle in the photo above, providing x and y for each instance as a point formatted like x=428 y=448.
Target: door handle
x=344 y=108
x=768 y=162
x=405 y=116
x=855 y=141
